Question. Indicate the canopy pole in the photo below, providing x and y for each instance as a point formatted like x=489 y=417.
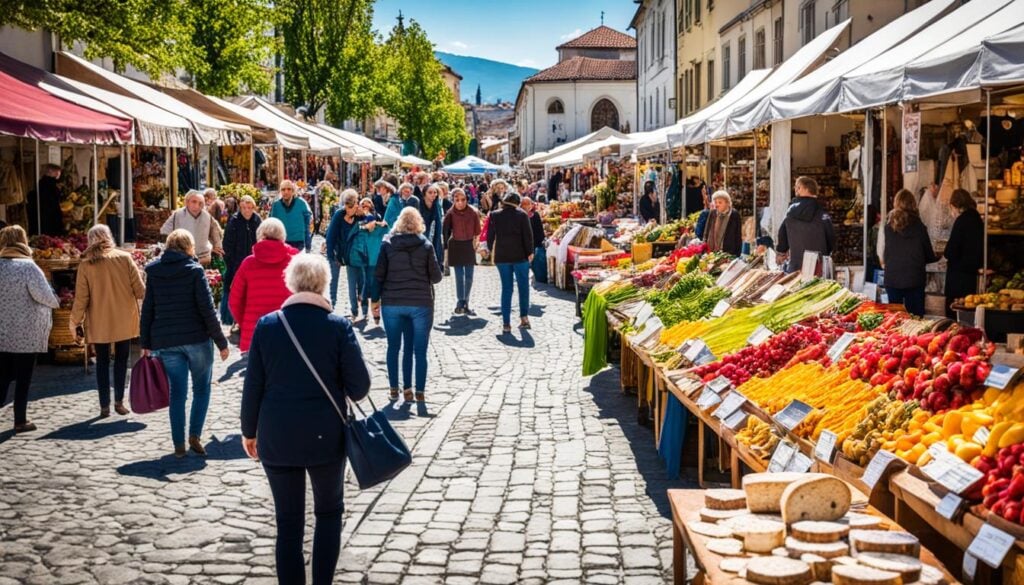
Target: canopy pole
x=988 y=156
x=866 y=190
x=754 y=202
x=39 y=200
x=124 y=201
x=305 y=167
x=95 y=186
x=885 y=152
x=725 y=174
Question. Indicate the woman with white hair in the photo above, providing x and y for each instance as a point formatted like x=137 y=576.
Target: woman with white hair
x=340 y=234
x=204 y=228
x=258 y=287
x=407 y=270
x=288 y=422
x=722 y=230
x=107 y=294
x=239 y=238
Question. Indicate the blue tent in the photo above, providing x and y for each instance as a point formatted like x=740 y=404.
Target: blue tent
x=471 y=165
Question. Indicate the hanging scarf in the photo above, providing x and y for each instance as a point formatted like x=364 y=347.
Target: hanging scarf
x=719 y=223
x=16 y=251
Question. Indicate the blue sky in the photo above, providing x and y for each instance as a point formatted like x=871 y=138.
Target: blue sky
x=521 y=32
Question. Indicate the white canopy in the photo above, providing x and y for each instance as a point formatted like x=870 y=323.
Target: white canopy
x=819 y=91
x=319 y=140
x=416 y=161
x=210 y=130
x=539 y=158
x=691 y=130
x=367 y=149
x=1002 y=57
x=591 y=149
x=733 y=121
x=288 y=135
x=881 y=80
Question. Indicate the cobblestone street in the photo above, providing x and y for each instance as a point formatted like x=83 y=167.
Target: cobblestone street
x=524 y=472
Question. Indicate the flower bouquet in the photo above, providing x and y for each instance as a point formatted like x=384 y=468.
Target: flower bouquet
x=216 y=281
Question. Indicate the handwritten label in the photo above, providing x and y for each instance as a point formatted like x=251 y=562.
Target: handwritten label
x=733 y=402
x=981 y=436
x=651 y=332
x=876 y=468
x=645 y=312
x=773 y=293
x=708 y=398
x=794 y=414
x=720 y=384
x=870 y=291
x=780 y=458
x=952 y=472
x=826 y=446
x=759 y=336
x=1000 y=376
x=990 y=545
x=970 y=567
x=736 y=420
x=840 y=346
x=698 y=353
x=949 y=506
x=799 y=463
x=735 y=268
x=720 y=308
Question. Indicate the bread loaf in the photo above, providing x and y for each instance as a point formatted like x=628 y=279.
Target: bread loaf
x=829 y=550
x=820 y=566
x=761 y=536
x=818 y=497
x=727 y=547
x=818 y=531
x=764 y=490
x=732 y=564
x=886 y=541
x=862 y=521
x=778 y=571
x=710 y=515
x=725 y=499
x=861 y=575
x=707 y=529
x=909 y=568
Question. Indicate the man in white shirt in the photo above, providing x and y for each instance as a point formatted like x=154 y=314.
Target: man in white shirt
x=194 y=218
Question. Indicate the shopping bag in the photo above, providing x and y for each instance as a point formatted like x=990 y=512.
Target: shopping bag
x=374 y=449
x=149 y=389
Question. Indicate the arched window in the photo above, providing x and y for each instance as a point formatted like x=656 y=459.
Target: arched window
x=604 y=114
x=556 y=107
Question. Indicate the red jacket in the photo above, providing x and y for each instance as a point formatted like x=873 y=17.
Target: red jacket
x=258 y=287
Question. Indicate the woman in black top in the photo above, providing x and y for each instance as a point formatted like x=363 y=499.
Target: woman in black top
x=965 y=249
x=239 y=238
x=722 y=230
x=650 y=208
x=907 y=251
x=510 y=238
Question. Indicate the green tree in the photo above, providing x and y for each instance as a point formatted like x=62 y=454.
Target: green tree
x=415 y=93
x=151 y=35
x=232 y=45
x=316 y=33
x=355 y=87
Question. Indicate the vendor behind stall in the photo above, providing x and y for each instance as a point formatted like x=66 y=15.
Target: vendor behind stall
x=965 y=249
x=650 y=208
x=51 y=218
x=722 y=231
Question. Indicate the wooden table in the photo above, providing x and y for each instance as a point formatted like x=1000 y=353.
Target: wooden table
x=686 y=505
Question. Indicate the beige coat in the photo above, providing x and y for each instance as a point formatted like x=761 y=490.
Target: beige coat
x=107 y=295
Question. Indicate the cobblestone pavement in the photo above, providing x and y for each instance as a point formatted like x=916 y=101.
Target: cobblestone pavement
x=524 y=471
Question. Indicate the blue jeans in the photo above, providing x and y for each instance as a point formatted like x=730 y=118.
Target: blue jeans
x=225 y=311
x=354 y=276
x=521 y=272
x=463 y=283
x=911 y=298
x=370 y=289
x=180 y=361
x=335 y=276
x=408 y=326
x=540 y=265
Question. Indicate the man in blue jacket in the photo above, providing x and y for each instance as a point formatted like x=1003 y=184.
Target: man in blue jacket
x=296 y=216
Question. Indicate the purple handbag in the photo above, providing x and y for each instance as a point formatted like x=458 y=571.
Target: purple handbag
x=148 y=391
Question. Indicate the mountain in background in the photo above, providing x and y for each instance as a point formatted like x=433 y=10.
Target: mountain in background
x=498 y=81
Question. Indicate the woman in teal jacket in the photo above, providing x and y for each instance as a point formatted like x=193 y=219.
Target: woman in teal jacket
x=364 y=249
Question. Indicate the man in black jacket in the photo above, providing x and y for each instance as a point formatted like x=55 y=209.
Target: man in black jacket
x=650 y=208
x=510 y=239
x=807 y=227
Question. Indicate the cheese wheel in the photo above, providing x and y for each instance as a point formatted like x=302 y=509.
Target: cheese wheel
x=818 y=531
x=820 y=566
x=713 y=516
x=930 y=576
x=819 y=497
x=725 y=499
x=778 y=571
x=764 y=490
x=829 y=550
x=732 y=564
x=862 y=521
x=727 y=547
x=738 y=522
x=909 y=568
x=886 y=541
x=761 y=536
x=861 y=575
x=780 y=551
x=707 y=529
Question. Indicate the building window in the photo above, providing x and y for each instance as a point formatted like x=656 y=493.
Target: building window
x=711 y=4
x=657 y=106
x=741 y=59
x=604 y=114
x=556 y=107
x=661 y=37
x=759 y=49
x=777 y=42
x=696 y=86
x=650 y=108
x=841 y=11
x=696 y=11
x=711 y=79
x=807 y=22
x=726 y=65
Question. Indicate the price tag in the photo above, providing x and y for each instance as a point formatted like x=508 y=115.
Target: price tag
x=684 y=346
x=1000 y=376
x=733 y=270
x=773 y=293
x=698 y=353
x=736 y=420
x=645 y=312
x=939 y=450
x=981 y=436
x=970 y=567
x=794 y=414
x=799 y=463
x=990 y=545
x=949 y=506
x=809 y=267
x=826 y=446
x=952 y=473
x=651 y=332
x=733 y=402
x=708 y=398
x=870 y=291
x=759 y=336
x=937 y=467
x=840 y=346
x=720 y=384
x=720 y=308
x=780 y=458
x=876 y=468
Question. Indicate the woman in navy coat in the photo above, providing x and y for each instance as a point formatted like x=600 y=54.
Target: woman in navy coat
x=289 y=424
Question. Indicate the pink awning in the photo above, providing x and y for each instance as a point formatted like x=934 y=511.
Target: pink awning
x=30 y=112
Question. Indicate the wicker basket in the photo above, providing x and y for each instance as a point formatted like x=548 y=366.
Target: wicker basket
x=70 y=356
x=60 y=334
x=48 y=266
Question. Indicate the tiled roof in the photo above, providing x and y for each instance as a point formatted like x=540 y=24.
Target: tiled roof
x=602 y=37
x=586 y=69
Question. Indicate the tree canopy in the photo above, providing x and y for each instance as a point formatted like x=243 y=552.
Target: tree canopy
x=233 y=45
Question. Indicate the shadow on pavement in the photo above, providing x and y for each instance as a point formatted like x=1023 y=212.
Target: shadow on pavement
x=238 y=366
x=4 y=436
x=511 y=341
x=375 y=332
x=161 y=468
x=461 y=326
x=89 y=430
x=421 y=411
x=609 y=398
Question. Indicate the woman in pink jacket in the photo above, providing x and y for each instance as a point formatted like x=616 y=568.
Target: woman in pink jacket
x=258 y=287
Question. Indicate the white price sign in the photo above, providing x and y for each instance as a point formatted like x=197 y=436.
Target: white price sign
x=720 y=384
x=799 y=463
x=780 y=458
x=645 y=312
x=1000 y=376
x=952 y=473
x=876 y=468
x=949 y=506
x=759 y=336
x=990 y=545
x=733 y=402
x=826 y=446
x=736 y=420
x=970 y=567
x=773 y=293
x=794 y=414
x=708 y=398
x=720 y=308
x=840 y=346
x=981 y=436
x=698 y=353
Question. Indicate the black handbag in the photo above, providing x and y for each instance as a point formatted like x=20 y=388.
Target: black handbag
x=376 y=452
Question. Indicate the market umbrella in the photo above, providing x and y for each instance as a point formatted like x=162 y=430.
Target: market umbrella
x=471 y=165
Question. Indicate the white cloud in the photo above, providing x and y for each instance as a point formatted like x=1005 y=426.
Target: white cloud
x=526 y=63
x=572 y=35
x=458 y=45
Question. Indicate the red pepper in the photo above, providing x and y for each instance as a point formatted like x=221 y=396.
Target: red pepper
x=1015 y=491
x=1012 y=511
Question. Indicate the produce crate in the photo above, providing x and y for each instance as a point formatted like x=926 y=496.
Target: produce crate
x=48 y=266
